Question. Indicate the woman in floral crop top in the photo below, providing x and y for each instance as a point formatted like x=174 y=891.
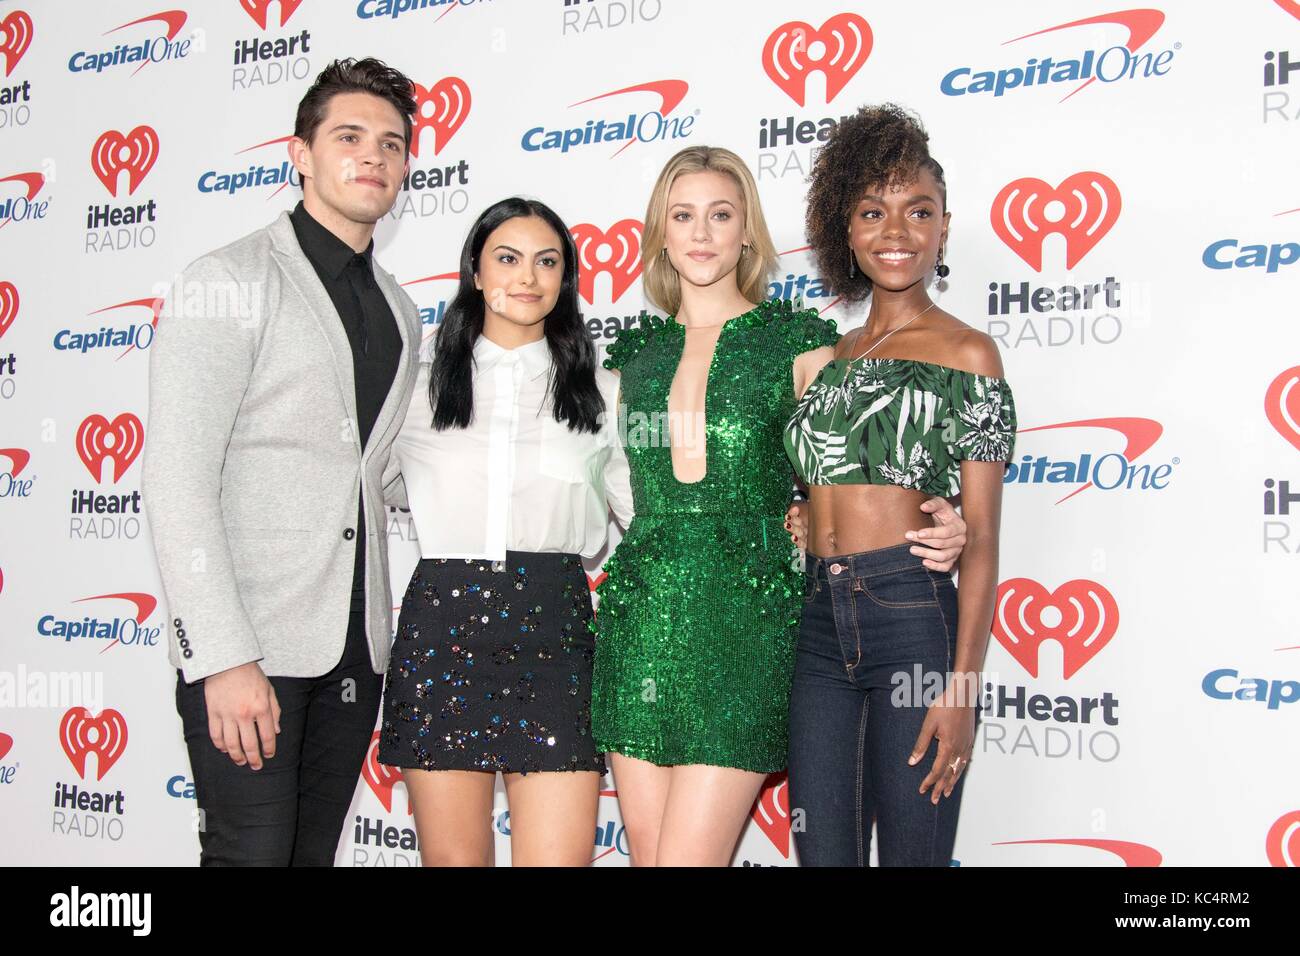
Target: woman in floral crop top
x=887 y=675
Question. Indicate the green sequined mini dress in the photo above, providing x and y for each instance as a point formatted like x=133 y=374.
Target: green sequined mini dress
x=698 y=617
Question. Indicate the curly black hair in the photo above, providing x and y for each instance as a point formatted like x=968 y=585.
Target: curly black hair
x=878 y=146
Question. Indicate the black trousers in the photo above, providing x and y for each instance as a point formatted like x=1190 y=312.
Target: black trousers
x=291 y=812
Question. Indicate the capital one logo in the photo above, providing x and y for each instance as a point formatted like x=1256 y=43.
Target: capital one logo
x=442 y=108
x=15 y=38
x=120 y=441
x=104 y=736
x=772 y=811
x=257 y=10
x=1133 y=854
x=1290 y=6
x=8 y=306
x=135 y=152
x=1080 y=615
x=18 y=459
x=1281 y=403
x=1282 y=845
x=837 y=50
x=1082 y=209
x=615 y=251
x=380 y=777
x=21 y=207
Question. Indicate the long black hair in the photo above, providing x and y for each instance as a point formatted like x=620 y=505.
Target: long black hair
x=574 y=395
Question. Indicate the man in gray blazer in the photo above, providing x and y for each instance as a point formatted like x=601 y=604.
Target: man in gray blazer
x=279 y=377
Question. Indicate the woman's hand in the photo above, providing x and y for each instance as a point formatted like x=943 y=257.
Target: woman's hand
x=952 y=721
x=939 y=547
x=797 y=525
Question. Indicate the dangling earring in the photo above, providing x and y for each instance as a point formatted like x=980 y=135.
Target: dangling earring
x=663 y=253
x=940 y=269
x=853 y=263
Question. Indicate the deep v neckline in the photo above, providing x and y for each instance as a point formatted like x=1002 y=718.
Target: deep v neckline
x=708 y=386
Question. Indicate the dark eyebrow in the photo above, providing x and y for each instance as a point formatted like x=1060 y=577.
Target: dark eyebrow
x=543 y=252
x=911 y=200
x=361 y=129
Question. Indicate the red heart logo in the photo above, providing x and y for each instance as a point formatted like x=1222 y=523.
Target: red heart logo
x=1282 y=843
x=772 y=811
x=15 y=38
x=1089 y=206
x=119 y=440
x=846 y=42
x=6 y=744
x=1080 y=615
x=257 y=10
x=381 y=777
x=8 y=305
x=1282 y=405
x=448 y=103
x=623 y=264
x=136 y=152
x=81 y=734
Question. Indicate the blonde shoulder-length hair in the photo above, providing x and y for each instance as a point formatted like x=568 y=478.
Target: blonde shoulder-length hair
x=660 y=281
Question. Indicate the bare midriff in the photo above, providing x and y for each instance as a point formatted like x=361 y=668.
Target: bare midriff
x=847 y=519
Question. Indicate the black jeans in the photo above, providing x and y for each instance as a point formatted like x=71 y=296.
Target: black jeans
x=291 y=812
x=879 y=631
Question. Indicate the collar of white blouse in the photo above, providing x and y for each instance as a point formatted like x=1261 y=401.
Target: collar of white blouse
x=534 y=358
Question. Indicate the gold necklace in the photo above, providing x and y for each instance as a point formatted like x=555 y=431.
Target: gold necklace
x=854 y=358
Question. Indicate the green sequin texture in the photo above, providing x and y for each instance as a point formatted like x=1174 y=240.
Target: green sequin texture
x=699 y=614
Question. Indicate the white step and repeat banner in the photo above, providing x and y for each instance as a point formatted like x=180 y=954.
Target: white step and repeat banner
x=1126 y=224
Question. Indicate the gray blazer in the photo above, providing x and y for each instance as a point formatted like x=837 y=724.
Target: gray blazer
x=253 y=464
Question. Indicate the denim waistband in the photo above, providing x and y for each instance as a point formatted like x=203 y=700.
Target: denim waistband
x=864 y=564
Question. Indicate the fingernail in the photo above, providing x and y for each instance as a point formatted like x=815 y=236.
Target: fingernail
x=911 y=536
x=911 y=761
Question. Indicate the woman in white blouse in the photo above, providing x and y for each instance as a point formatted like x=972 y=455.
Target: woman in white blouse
x=511 y=461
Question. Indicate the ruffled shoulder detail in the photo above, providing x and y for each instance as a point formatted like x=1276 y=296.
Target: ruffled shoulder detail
x=803 y=329
x=631 y=340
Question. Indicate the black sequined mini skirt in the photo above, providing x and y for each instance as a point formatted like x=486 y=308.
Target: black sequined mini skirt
x=491 y=667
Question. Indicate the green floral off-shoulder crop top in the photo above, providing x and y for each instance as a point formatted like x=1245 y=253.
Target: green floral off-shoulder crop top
x=883 y=421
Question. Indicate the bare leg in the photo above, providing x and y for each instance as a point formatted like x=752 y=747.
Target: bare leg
x=642 y=794
x=453 y=815
x=706 y=810
x=552 y=817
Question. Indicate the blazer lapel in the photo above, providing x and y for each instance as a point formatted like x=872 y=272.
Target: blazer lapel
x=408 y=328
x=298 y=270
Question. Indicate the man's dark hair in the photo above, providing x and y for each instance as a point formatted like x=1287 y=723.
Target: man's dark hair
x=354 y=76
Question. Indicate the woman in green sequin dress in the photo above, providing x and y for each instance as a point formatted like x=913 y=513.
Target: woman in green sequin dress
x=698 y=618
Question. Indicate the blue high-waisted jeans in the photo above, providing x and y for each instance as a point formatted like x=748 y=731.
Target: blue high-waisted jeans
x=868 y=618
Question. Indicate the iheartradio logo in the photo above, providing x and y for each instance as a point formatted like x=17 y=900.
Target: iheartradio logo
x=442 y=108
x=104 y=736
x=1282 y=843
x=1281 y=402
x=6 y=744
x=772 y=811
x=8 y=306
x=1080 y=615
x=381 y=777
x=616 y=251
x=119 y=440
x=15 y=38
x=796 y=49
x=136 y=152
x=257 y=10
x=1082 y=209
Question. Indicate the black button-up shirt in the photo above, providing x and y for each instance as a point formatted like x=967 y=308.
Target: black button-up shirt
x=372 y=332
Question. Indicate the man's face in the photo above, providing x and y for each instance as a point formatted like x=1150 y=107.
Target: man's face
x=356 y=159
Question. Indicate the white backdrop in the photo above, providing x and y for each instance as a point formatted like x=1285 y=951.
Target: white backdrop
x=1145 y=666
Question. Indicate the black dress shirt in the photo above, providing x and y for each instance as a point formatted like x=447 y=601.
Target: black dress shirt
x=372 y=332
